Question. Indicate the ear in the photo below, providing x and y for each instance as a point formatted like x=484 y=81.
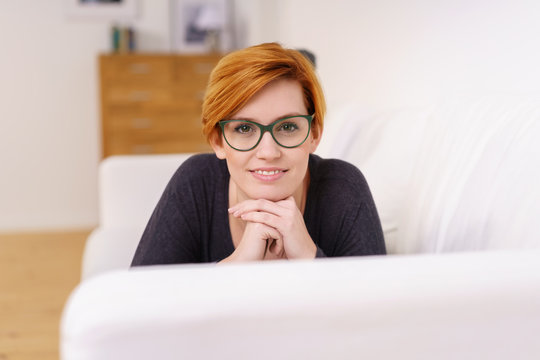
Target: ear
x=217 y=144
x=315 y=140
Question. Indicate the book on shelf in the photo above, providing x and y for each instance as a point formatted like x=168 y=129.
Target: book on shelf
x=123 y=39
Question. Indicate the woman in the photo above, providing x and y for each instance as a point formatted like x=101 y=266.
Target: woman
x=263 y=195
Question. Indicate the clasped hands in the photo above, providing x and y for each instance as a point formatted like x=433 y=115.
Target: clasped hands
x=273 y=230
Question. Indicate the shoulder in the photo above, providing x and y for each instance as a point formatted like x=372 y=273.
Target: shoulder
x=335 y=173
x=200 y=169
x=203 y=162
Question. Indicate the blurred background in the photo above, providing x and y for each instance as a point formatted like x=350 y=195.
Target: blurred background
x=384 y=53
x=84 y=79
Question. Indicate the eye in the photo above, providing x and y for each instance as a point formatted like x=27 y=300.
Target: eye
x=243 y=128
x=287 y=127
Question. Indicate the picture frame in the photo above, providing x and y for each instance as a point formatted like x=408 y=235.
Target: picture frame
x=102 y=9
x=201 y=26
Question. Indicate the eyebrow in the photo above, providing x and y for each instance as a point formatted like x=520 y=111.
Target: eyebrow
x=275 y=119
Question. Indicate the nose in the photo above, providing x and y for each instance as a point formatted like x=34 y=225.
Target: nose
x=268 y=149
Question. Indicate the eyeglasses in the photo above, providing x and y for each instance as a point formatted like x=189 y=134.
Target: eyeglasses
x=245 y=135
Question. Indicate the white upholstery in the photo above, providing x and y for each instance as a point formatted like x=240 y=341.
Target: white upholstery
x=109 y=249
x=461 y=306
x=129 y=189
x=460 y=176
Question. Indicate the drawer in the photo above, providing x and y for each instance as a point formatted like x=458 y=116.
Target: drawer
x=132 y=95
x=151 y=103
x=190 y=95
x=137 y=68
x=160 y=97
x=181 y=126
x=194 y=71
x=127 y=146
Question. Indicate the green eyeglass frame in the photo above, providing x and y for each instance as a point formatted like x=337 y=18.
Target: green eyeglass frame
x=266 y=128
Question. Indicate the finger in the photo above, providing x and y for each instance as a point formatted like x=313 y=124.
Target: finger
x=255 y=205
x=252 y=205
x=276 y=247
x=288 y=202
x=273 y=238
x=265 y=218
x=255 y=240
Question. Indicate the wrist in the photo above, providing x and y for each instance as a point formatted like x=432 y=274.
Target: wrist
x=246 y=254
x=235 y=256
x=308 y=252
x=312 y=251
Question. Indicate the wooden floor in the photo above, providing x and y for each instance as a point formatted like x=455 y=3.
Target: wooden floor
x=37 y=274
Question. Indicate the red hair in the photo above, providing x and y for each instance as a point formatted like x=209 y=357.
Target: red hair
x=240 y=74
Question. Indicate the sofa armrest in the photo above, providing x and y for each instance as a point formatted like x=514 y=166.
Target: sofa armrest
x=108 y=249
x=130 y=187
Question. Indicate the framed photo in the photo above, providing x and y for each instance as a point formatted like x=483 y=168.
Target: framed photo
x=102 y=9
x=201 y=26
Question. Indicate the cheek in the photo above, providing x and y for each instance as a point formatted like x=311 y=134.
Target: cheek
x=235 y=162
x=301 y=156
x=300 y=161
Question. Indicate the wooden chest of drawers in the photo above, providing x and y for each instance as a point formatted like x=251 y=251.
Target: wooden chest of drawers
x=151 y=104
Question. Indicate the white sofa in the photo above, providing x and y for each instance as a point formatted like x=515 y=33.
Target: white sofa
x=456 y=186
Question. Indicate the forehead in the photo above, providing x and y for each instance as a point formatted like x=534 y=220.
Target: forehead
x=279 y=98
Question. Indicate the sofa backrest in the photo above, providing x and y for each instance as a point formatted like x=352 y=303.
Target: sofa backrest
x=459 y=175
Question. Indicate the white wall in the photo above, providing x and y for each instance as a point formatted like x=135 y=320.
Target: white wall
x=409 y=52
x=49 y=107
x=49 y=138
x=377 y=52
x=49 y=117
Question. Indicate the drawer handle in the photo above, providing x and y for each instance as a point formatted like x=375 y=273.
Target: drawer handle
x=141 y=123
x=200 y=95
x=139 y=96
x=203 y=68
x=142 y=149
x=139 y=68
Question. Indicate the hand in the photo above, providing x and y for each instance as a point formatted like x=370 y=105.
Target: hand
x=258 y=240
x=283 y=216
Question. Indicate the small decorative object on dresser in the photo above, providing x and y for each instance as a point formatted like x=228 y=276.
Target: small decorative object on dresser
x=151 y=104
x=202 y=26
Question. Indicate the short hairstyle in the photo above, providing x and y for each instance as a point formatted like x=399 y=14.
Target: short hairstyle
x=240 y=74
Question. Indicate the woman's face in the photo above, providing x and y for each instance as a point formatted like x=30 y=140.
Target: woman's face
x=270 y=171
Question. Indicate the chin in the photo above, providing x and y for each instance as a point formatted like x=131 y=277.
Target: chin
x=270 y=195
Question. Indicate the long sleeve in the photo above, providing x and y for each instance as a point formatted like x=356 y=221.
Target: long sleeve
x=340 y=214
x=190 y=222
x=172 y=233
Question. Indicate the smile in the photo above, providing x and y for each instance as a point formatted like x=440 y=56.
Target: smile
x=268 y=174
